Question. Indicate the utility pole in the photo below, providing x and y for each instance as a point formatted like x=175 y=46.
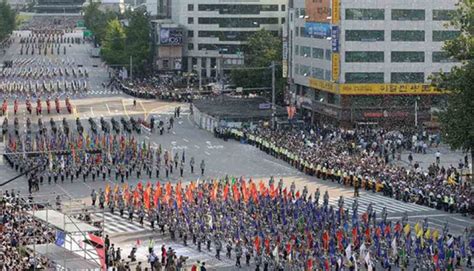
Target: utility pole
x=416 y=111
x=273 y=96
x=131 y=67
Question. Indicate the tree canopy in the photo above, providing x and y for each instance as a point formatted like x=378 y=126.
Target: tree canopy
x=457 y=120
x=7 y=19
x=120 y=39
x=261 y=49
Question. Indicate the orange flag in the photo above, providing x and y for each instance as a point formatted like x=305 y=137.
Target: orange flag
x=146 y=196
x=168 y=189
x=157 y=195
x=226 y=191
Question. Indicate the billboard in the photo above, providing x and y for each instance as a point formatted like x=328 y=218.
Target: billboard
x=317 y=30
x=171 y=36
x=318 y=10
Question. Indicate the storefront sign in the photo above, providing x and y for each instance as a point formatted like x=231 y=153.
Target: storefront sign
x=336 y=11
x=318 y=10
x=388 y=89
x=335 y=39
x=322 y=85
x=317 y=30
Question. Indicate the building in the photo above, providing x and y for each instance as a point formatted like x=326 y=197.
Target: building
x=58 y=6
x=367 y=61
x=215 y=30
x=169 y=46
x=117 y=6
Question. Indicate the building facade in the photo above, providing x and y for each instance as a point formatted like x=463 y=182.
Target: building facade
x=368 y=61
x=216 y=30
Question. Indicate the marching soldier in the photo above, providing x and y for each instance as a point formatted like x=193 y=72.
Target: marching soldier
x=238 y=254
x=130 y=211
x=15 y=106
x=181 y=168
x=218 y=245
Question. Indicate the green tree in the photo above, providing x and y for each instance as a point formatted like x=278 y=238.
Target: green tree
x=96 y=20
x=113 y=46
x=457 y=120
x=138 y=41
x=261 y=49
x=7 y=19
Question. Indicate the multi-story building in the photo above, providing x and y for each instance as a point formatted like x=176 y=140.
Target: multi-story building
x=216 y=30
x=368 y=61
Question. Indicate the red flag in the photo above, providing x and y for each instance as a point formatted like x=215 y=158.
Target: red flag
x=298 y=194
x=326 y=240
x=236 y=192
x=267 y=245
x=397 y=227
x=257 y=244
x=387 y=229
x=288 y=247
x=140 y=186
x=309 y=265
x=157 y=195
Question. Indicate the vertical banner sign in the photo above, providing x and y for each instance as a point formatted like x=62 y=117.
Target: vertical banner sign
x=335 y=66
x=335 y=39
x=318 y=10
x=336 y=12
x=285 y=58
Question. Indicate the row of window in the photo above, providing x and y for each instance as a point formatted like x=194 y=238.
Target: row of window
x=236 y=8
x=226 y=35
x=314 y=72
x=318 y=53
x=399 y=35
x=378 y=77
x=234 y=22
x=398 y=14
x=377 y=56
x=222 y=48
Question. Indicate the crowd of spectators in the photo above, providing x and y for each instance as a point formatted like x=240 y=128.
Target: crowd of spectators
x=38 y=23
x=364 y=157
x=18 y=229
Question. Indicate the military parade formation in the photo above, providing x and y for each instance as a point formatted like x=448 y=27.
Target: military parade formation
x=274 y=227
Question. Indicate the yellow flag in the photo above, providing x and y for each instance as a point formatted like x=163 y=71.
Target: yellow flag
x=428 y=234
x=406 y=229
x=417 y=228
x=435 y=235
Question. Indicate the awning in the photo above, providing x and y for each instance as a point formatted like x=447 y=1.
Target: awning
x=63 y=257
x=63 y=222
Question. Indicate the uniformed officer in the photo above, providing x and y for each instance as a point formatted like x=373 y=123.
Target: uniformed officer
x=203 y=165
x=238 y=254
x=218 y=245
x=93 y=197
x=101 y=198
x=181 y=168
x=191 y=164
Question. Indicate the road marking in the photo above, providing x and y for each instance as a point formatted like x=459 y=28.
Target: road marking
x=124 y=107
x=64 y=190
x=185 y=140
x=460 y=219
x=173 y=132
x=92 y=112
x=88 y=186
x=416 y=216
x=144 y=110
x=207 y=153
x=147 y=137
x=108 y=109
x=197 y=147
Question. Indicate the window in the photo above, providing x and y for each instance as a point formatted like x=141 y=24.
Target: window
x=366 y=101
x=442 y=57
x=305 y=70
x=297 y=49
x=328 y=54
x=445 y=35
x=317 y=73
x=365 y=35
x=407 y=77
x=190 y=34
x=408 y=14
x=408 y=35
x=305 y=51
x=327 y=75
x=365 y=14
x=318 y=53
x=302 y=32
x=302 y=12
x=364 y=77
x=190 y=7
x=283 y=7
x=283 y=20
x=228 y=49
x=364 y=56
x=190 y=20
x=229 y=35
x=408 y=56
x=190 y=46
x=443 y=14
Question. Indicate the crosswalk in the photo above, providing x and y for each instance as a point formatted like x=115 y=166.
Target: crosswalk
x=104 y=92
x=378 y=203
x=115 y=224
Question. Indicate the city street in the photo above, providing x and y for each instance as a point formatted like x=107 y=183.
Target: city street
x=222 y=158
